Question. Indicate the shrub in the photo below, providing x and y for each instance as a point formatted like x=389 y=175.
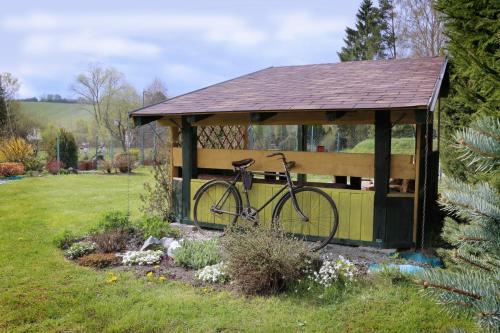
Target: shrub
x=54 y=167
x=85 y=165
x=99 y=260
x=140 y=258
x=262 y=261
x=125 y=162
x=68 y=150
x=79 y=249
x=197 y=254
x=213 y=274
x=105 y=166
x=114 y=240
x=113 y=220
x=157 y=194
x=33 y=164
x=65 y=239
x=156 y=227
x=134 y=152
x=15 y=150
x=9 y=169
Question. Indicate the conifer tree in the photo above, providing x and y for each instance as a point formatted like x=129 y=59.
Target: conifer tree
x=365 y=41
x=472 y=280
x=472 y=28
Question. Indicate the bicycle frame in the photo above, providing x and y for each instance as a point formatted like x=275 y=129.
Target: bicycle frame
x=289 y=185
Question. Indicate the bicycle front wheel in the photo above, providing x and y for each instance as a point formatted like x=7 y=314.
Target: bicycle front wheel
x=216 y=204
x=320 y=210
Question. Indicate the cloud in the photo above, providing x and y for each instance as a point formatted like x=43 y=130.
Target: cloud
x=89 y=44
x=211 y=28
x=181 y=72
x=297 y=26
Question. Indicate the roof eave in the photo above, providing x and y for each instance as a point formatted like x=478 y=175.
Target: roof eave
x=436 y=92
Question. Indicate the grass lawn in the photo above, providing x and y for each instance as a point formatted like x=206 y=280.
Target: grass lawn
x=41 y=291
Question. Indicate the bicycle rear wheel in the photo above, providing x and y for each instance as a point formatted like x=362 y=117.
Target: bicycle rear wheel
x=217 y=203
x=317 y=206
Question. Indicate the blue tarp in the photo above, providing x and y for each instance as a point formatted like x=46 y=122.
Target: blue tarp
x=416 y=257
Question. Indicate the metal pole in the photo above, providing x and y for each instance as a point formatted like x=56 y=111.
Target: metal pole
x=142 y=134
x=96 y=149
x=58 y=151
x=154 y=141
x=111 y=150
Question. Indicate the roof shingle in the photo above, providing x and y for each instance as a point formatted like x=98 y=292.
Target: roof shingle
x=378 y=84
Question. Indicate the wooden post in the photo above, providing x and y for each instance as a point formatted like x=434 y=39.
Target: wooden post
x=189 y=165
x=301 y=146
x=419 y=179
x=382 y=172
x=174 y=139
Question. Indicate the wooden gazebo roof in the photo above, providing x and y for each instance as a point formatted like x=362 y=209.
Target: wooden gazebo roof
x=358 y=85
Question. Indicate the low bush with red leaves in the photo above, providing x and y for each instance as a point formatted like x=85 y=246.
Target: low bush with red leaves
x=8 y=169
x=86 y=165
x=54 y=166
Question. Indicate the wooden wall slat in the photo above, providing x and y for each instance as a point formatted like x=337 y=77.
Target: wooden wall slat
x=355 y=209
x=358 y=165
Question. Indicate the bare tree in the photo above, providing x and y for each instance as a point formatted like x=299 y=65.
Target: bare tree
x=156 y=92
x=97 y=87
x=419 y=28
x=9 y=86
x=116 y=119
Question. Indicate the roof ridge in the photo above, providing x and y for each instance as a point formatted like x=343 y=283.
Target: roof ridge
x=356 y=61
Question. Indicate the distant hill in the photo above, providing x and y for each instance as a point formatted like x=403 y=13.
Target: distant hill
x=61 y=114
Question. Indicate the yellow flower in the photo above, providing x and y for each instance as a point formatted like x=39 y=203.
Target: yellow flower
x=149 y=274
x=156 y=266
x=111 y=278
x=162 y=278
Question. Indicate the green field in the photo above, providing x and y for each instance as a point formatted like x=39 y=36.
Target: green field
x=61 y=114
x=40 y=291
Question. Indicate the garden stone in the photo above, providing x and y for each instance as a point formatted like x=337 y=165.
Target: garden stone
x=166 y=242
x=174 y=245
x=149 y=242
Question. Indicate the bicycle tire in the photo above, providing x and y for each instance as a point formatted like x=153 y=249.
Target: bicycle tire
x=200 y=208
x=326 y=206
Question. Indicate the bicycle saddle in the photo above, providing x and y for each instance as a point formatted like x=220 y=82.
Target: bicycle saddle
x=243 y=163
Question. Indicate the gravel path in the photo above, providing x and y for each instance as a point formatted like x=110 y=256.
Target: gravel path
x=361 y=255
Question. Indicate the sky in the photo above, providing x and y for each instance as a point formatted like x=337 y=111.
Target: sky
x=187 y=44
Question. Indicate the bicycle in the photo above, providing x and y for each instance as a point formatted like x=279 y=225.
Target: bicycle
x=301 y=210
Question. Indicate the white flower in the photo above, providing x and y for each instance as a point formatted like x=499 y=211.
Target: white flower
x=140 y=258
x=213 y=274
x=333 y=270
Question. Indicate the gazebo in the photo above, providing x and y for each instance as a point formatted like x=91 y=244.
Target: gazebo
x=210 y=129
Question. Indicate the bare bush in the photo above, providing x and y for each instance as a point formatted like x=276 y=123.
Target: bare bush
x=262 y=261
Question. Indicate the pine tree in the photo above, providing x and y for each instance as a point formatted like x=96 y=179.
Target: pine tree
x=365 y=41
x=472 y=282
x=472 y=29
x=388 y=28
x=68 y=149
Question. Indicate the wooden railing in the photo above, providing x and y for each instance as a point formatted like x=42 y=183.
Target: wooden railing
x=334 y=164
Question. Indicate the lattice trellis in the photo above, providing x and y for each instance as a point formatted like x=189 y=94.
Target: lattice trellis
x=222 y=137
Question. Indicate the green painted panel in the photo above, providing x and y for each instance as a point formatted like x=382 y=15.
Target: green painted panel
x=367 y=206
x=355 y=209
x=355 y=217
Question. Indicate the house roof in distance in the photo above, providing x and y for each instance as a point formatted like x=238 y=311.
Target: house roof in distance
x=412 y=83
